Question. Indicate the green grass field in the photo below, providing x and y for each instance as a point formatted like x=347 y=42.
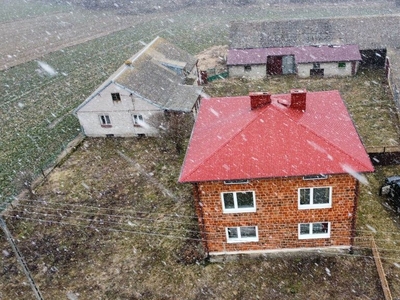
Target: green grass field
x=36 y=110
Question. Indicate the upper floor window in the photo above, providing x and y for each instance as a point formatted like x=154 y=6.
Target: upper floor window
x=238 y=202
x=319 y=230
x=105 y=120
x=318 y=197
x=315 y=177
x=242 y=234
x=116 y=96
x=239 y=181
x=137 y=120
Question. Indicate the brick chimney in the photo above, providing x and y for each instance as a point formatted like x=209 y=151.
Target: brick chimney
x=298 y=99
x=259 y=99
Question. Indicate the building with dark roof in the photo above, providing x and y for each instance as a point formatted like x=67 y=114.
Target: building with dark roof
x=150 y=83
x=376 y=36
x=305 y=61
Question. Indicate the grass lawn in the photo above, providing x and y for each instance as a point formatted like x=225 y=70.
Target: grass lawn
x=113 y=223
x=36 y=110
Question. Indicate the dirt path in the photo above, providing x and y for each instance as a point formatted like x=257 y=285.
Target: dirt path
x=29 y=39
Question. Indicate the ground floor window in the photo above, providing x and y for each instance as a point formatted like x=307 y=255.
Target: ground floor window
x=137 y=120
x=242 y=234
x=247 y=68
x=234 y=202
x=341 y=65
x=105 y=120
x=320 y=230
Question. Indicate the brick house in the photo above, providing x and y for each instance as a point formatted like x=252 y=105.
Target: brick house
x=275 y=172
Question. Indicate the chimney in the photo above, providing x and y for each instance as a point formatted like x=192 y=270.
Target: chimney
x=298 y=99
x=259 y=99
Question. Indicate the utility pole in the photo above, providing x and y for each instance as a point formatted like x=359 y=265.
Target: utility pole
x=20 y=259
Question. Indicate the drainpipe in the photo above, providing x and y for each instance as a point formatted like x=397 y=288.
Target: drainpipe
x=200 y=216
x=353 y=224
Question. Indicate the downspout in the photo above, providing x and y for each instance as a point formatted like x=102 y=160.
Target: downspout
x=353 y=225
x=200 y=216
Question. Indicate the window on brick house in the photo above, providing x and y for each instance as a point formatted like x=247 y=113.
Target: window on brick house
x=105 y=120
x=319 y=197
x=320 y=230
x=234 y=202
x=242 y=234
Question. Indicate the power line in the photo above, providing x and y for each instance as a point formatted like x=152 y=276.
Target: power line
x=20 y=259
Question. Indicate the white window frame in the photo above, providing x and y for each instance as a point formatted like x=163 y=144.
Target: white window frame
x=312 y=235
x=240 y=239
x=105 y=120
x=312 y=205
x=239 y=181
x=315 y=177
x=236 y=209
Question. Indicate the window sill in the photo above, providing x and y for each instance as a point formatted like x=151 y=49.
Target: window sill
x=106 y=126
x=243 y=241
x=236 y=211
x=302 y=207
x=316 y=236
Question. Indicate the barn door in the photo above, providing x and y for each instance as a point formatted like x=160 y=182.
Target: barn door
x=288 y=66
x=274 y=65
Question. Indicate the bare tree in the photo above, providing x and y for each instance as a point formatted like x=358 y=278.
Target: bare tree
x=174 y=129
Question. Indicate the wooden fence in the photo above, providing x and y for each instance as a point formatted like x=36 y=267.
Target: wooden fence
x=381 y=272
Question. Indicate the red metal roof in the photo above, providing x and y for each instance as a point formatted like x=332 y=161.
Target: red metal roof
x=230 y=141
x=305 y=54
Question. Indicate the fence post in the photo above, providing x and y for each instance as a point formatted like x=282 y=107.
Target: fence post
x=381 y=272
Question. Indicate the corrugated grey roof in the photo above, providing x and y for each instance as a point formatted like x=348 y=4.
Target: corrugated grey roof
x=306 y=54
x=369 y=32
x=149 y=79
x=172 y=52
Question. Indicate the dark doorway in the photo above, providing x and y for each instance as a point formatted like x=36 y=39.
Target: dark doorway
x=317 y=72
x=274 y=65
x=373 y=58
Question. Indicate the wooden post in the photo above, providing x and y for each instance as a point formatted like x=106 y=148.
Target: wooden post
x=381 y=272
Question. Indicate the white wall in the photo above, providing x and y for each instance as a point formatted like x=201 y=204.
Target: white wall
x=120 y=114
x=256 y=72
x=330 y=69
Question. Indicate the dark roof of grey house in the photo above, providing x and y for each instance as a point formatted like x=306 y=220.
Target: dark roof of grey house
x=369 y=32
x=305 y=54
x=147 y=76
x=166 y=51
x=152 y=81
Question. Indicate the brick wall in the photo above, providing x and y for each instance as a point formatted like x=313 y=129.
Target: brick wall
x=277 y=215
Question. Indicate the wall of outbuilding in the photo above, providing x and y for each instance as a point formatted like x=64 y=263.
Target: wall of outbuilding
x=330 y=69
x=256 y=72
